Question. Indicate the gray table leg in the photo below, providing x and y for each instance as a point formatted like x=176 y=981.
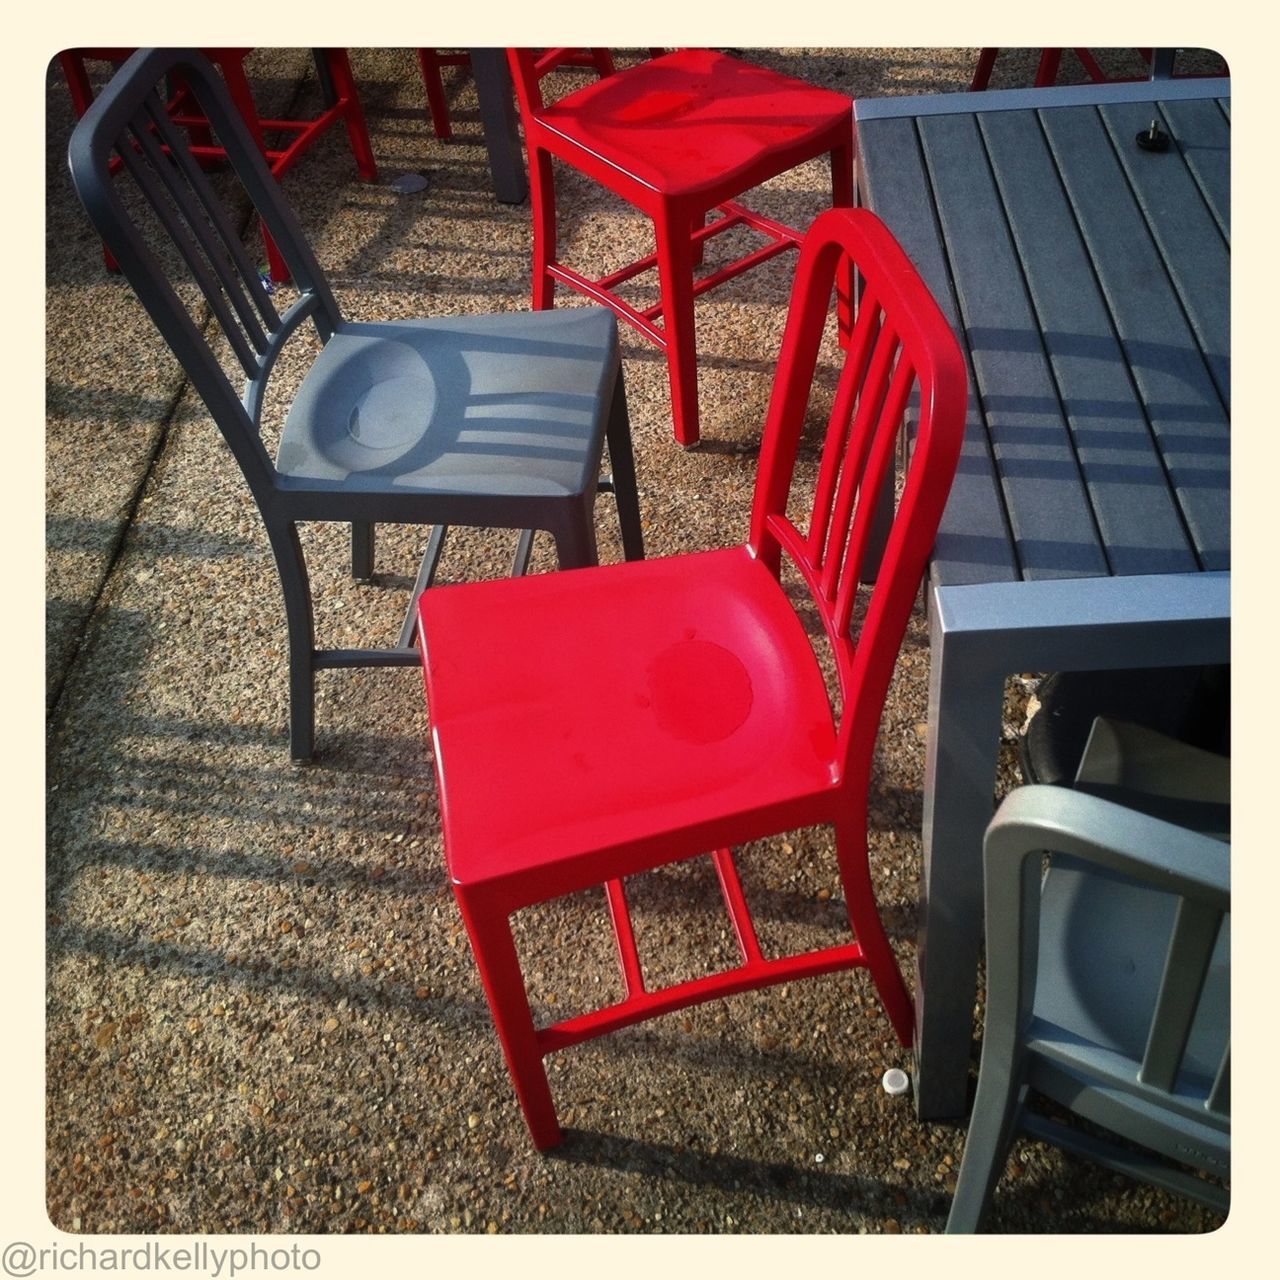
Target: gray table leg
x=498 y=116
x=966 y=696
x=328 y=94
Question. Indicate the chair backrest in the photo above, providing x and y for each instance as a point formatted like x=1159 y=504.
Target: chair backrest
x=901 y=347
x=1142 y=907
x=127 y=128
x=529 y=66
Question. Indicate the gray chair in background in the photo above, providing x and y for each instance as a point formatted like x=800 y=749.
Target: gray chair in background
x=497 y=421
x=1108 y=975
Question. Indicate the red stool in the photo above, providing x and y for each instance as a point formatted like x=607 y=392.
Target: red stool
x=678 y=137
x=595 y=724
x=334 y=68
x=1051 y=61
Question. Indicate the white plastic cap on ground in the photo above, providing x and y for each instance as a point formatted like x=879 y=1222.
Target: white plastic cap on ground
x=895 y=1081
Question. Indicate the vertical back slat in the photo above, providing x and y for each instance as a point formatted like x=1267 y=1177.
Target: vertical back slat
x=1220 y=1094
x=865 y=331
x=183 y=241
x=200 y=224
x=870 y=399
x=1195 y=931
x=213 y=210
x=870 y=486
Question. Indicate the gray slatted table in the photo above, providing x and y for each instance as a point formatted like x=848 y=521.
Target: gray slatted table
x=1088 y=526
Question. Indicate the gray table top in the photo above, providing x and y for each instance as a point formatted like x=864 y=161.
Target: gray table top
x=1089 y=280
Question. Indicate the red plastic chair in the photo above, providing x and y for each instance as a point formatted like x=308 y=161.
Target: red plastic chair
x=1051 y=61
x=430 y=61
x=344 y=107
x=677 y=137
x=644 y=713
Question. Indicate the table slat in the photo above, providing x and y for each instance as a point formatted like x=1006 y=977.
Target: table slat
x=1188 y=235
x=1186 y=414
x=1202 y=132
x=973 y=544
x=1053 y=526
x=1141 y=526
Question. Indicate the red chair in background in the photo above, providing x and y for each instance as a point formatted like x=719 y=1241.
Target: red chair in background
x=678 y=137
x=645 y=713
x=1051 y=61
x=430 y=62
x=343 y=104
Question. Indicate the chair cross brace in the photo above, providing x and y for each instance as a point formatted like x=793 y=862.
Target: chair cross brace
x=755 y=971
x=780 y=238
x=406 y=653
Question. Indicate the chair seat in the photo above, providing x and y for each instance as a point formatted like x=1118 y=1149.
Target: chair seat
x=506 y=405
x=697 y=119
x=693 y=695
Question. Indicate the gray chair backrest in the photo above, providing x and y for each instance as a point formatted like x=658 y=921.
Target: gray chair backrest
x=1179 y=1069
x=128 y=128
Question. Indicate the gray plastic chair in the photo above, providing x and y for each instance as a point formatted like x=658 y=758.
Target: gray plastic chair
x=496 y=421
x=1108 y=978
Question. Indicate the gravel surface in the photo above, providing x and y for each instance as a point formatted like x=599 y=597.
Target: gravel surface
x=263 y=1014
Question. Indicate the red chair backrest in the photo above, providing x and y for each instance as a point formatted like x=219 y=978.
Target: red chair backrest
x=901 y=342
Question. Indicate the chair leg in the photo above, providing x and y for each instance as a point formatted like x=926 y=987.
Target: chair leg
x=362 y=547
x=77 y=77
x=842 y=197
x=200 y=134
x=73 y=69
x=339 y=67
x=437 y=103
x=603 y=61
x=675 y=277
x=622 y=464
x=499 y=966
x=576 y=538
x=860 y=902
x=698 y=248
x=986 y=1146
x=237 y=83
x=1047 y=71
x=292 y=567
x=542 y=199
x=982 y=72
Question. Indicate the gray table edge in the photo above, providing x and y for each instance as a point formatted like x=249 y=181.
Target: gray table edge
x=1075 y=95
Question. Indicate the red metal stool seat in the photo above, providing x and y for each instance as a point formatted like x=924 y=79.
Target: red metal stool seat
x=678 y=137
x=735 y=717
x=335 y=70
x=594 y=724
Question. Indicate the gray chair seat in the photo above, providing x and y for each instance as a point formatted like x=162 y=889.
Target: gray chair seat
x=509 y=404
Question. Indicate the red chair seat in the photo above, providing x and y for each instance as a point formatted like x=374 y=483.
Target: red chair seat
x=616 y=707
x=694 y=119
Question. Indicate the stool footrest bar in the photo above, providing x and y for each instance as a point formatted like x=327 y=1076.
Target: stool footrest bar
x=747 y=977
